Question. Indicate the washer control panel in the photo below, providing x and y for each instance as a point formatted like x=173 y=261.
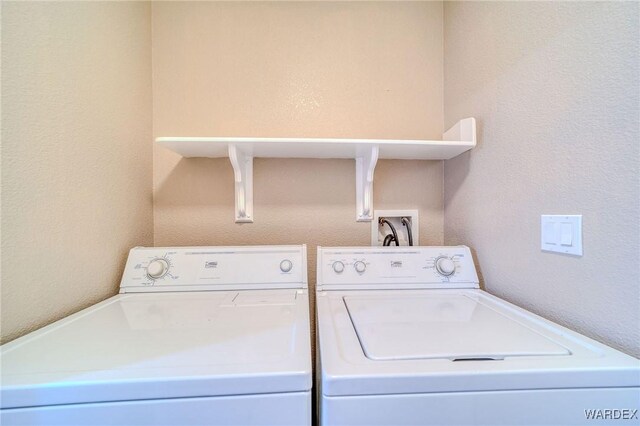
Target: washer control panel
x=214 y=268
x=396 y=267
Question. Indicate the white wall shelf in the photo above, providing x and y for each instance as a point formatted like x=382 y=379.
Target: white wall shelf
x=366 y=152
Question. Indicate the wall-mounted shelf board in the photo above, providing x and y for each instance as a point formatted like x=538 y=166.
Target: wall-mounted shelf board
x=241 y=151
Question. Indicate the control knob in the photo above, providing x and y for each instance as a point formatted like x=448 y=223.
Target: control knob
x=286 y=265
x=157 y=268
x=338 y=267
x=445 y=266
x=360 y=266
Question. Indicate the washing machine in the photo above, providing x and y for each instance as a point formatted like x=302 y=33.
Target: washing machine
x=405 y=336
x=197 y=335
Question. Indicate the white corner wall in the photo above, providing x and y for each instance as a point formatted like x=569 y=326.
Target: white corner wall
x=556 y=91
x=76 y=154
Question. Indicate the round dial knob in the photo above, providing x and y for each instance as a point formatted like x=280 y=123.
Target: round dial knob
x=286 y=265
x=445 y=266
x=338 y=267
x=360 y=266
x=157 y=268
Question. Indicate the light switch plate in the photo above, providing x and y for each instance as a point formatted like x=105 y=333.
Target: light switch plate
x=561 y=234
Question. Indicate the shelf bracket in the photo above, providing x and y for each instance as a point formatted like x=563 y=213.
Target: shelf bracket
x=365 y=166
x=243 y=175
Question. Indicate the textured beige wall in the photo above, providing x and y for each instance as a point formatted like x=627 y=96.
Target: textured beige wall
x=555 y=88
x=76 y=154
x=308 y=69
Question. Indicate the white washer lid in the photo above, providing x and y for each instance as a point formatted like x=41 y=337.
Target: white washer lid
x=454 y=327
x=347 y=370
x=164 y=345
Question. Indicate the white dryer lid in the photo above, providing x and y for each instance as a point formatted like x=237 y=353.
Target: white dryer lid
x=454 y=327
x=164 y=345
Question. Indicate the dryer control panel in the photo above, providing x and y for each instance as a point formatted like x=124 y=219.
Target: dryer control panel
x=396 y=267
x=156 y=269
